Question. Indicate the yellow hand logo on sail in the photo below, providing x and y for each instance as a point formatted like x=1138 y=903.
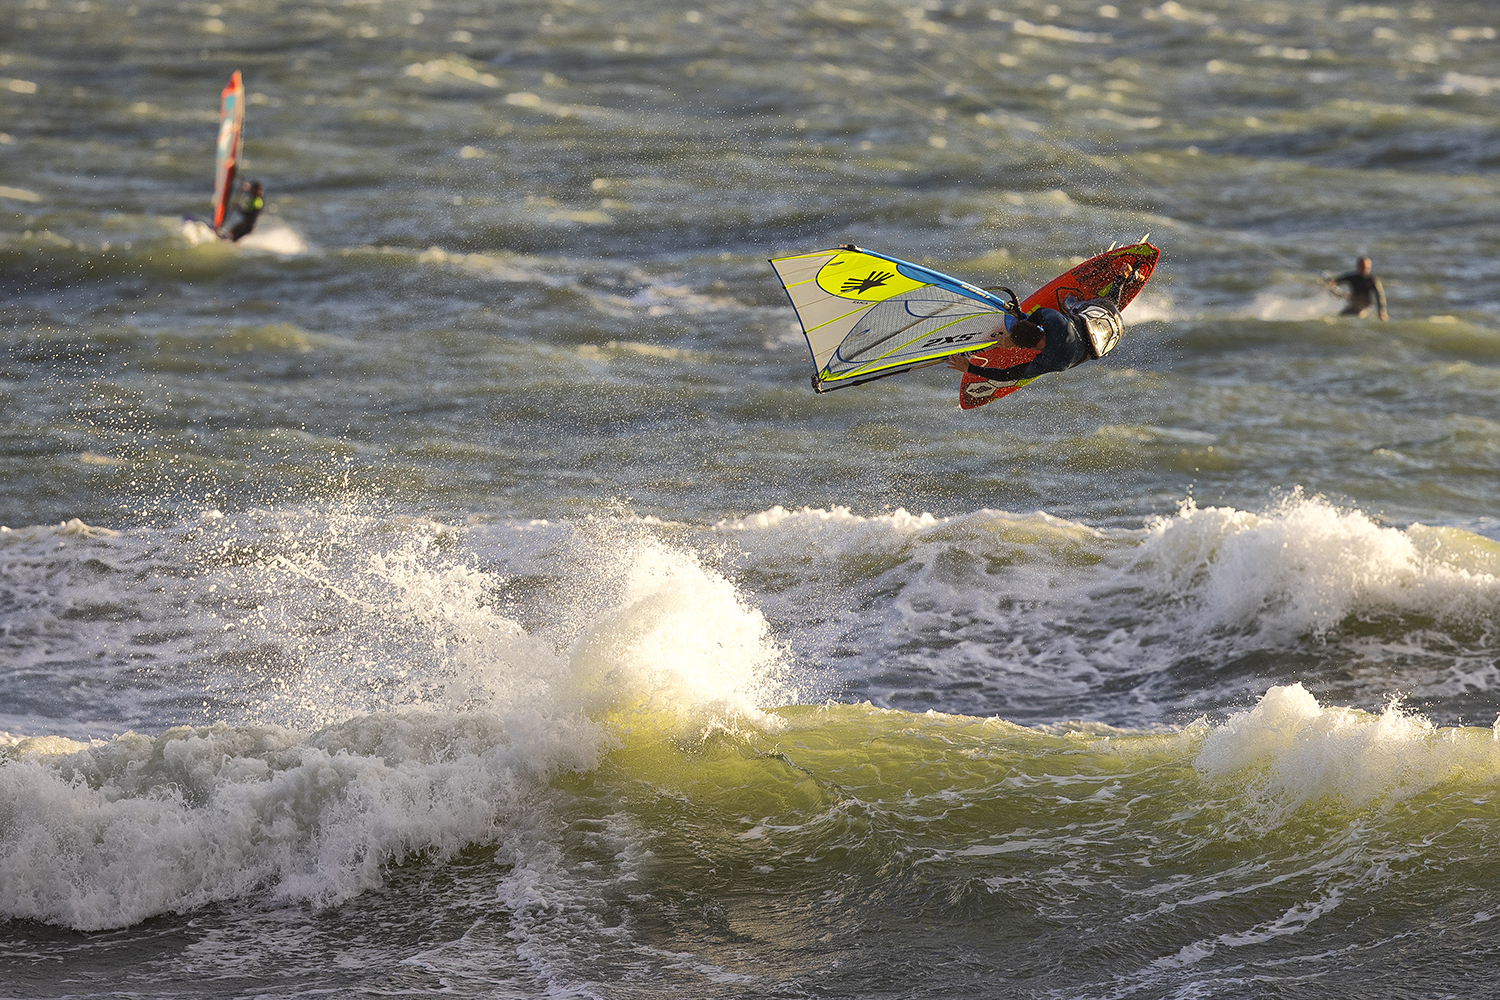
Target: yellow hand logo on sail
x=863 y=278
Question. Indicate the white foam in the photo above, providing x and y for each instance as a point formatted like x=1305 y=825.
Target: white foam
x=899 y=520
x=510 y=267
x=419 y=719
x=274 y=237
x=199 y=233
x=399 y=695
x=1297 y=751
x=1151 y=306
x=380 y=620
x=1303 y=566
x=1018 y=612
x=643 y=626
x=1454 y=83
x=661 y=297
x=110 y=835
x=988 y=594
x=681 y=643
x=23 y=746
x=1276 y=306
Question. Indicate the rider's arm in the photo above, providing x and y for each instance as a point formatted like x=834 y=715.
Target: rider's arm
x=996 y=374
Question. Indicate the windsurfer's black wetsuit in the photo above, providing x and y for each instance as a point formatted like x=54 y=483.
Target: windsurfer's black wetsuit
x=248 y=205
x=1065 y=348
x=1364 y=291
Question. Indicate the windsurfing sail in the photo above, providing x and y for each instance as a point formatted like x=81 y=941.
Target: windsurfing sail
x=231 y=140
x=867 y=316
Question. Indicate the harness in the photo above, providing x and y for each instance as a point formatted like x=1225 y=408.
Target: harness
x=1101 y=320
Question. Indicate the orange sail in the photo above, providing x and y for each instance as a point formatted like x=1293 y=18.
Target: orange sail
x=231 y=140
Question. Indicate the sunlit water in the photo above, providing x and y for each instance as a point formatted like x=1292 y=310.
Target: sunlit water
x=457 y=588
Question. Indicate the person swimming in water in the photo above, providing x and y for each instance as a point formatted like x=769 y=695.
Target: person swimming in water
x=1364 y=290
x=248 y=204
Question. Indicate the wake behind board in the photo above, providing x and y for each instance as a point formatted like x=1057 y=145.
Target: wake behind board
x=230 y=145
x=198 y=232
x=867 y=316
x=1130 y=267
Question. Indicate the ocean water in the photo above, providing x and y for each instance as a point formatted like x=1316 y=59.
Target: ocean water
x=456 y=588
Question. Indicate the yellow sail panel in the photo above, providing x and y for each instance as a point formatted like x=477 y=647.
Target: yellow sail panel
x=863 y=277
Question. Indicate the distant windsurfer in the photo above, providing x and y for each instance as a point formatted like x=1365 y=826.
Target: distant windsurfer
x=247 y=205
x=1364 y=290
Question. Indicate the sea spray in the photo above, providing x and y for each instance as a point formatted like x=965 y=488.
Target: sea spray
x=418 y=720
x=681 y=646
x=413 y=623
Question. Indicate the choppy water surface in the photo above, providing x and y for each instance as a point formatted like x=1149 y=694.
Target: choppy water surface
x=456 y=587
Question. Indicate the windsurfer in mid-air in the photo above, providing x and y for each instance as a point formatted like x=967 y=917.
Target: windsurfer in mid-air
x=1364 y=290
x=1087 y=329
x=1054 y=335
x=248 y=202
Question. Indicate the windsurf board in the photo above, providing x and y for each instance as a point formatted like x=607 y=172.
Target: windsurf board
x=1128 y=267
